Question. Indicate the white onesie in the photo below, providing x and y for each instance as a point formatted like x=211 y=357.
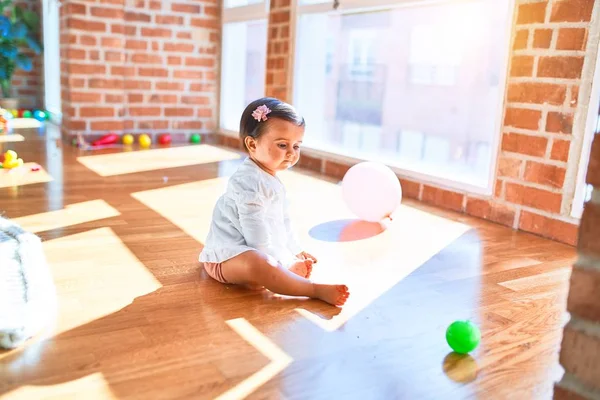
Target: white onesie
x=251 y=214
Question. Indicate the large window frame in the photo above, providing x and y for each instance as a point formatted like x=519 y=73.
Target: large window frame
x=254 y=12
x=347 y=7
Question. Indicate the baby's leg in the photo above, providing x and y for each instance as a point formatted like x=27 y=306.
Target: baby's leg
x=254 y=268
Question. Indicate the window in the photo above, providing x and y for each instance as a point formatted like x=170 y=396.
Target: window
x=243 y=58
x=419 y=87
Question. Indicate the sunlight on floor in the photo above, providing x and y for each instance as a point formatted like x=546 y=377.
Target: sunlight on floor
x=95 y=275
x=23 y=176
x=369 y=267
x=94 y=386
x=12 y=138
x=279 y=360
x=155 y=159
x=73 y=214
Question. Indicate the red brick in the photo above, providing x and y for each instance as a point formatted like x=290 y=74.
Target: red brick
x=76 y=54
x=169 y=20
x=210 y=23
x=159 y=72
x=72 y=8
x=571 y=10
x=85 y=69
x=196 y=100
x=285 y=32
x=132 y=44
x=200 y=62
x=145 y=58
x=75 y=125
x=537 y=93
x=104 y=12
x=144 y=111
x=442 y=198
x=186 y=8
x=498 y=188
x=544 y=174
x=87 y=40
x=335 y=169
x=107 y=125
x=97 y=83
x=184 y=35
x=593 y=172
x=211 y=10
x=174 y=60
x=179 y=47
x=86 y=25
x=583 y=293
x=589 y=230
x=84 y=97
x=542 y=38
x=559 y=122
x=140 y=17
x=571 y=39
x=86 y=112
x=113 y=56
x=205 y=113
x=531 y=13
x=123 y=71
x=155 y=5
x=509 y=167
x=112 y=42
x=138 y=85
x=410 y=189
x=580 y=356
x=311 y=163
x=135 y=98
x=164 y=98
x=169 y=86
x=114 y=98
x=486 y=209
x=565 y=394
x=94 y=55
x=548 y=227
x=188 y=74
x=179 y=112
x=533 y=197
x=187 y=125
x=202 y=87
x=68 y=38
x=560 y=150
x=522 y=118
x=574 y=96
x=156 y=32
x=279 y=17
x=560 y=67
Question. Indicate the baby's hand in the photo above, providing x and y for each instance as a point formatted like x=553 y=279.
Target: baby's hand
x=306 y=256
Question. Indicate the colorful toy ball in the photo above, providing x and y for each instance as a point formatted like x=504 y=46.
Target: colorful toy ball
x=372 y=191
x=15 y=113
x=27 y=114
x=463 y=336
x=195 y=138
x=128 y=139
x=40 y=115
x=145 y=140
x=164 y=139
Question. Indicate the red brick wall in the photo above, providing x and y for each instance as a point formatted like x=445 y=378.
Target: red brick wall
x=541 y=104
x=143 y=66
x=28 y=87
x=580 y=352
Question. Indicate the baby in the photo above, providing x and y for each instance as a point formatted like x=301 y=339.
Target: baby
x=250 y=241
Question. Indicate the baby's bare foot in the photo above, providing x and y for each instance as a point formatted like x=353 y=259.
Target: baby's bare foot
x=302 y=268
x=332 y=294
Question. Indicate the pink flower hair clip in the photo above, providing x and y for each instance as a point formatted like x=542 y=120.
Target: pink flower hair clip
x=260 y=114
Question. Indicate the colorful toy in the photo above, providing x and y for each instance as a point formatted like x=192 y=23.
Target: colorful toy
x=372 y=191
x=40 y=115
x=15 y=113
x=27 y=114
x=11 y=160
x=111 y=138
x=463 y=336
x=195 y=138
x=145 y=140
x=128 y=139
x=164 y=139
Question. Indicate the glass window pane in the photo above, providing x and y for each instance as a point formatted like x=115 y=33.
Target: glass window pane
x=240 y=3
x=415 y=87
x=244 y=55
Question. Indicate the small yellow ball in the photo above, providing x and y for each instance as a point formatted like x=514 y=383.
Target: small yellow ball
x=145 y=140
x=128 y=139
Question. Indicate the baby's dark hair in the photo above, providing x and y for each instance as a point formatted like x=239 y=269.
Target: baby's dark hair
x=249 y=126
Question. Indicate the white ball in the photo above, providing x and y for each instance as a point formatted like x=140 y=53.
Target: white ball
x=371 y=190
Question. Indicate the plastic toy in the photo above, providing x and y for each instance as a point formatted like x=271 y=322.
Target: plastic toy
x=111 y=138
x=463 y=336
x=195 y=138
x=145 y=140
x=11 y=160
x=164 y=139
x=128 y=139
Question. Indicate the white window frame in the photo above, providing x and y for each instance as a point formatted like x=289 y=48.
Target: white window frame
x=248 y=13
x=358 y=6
x=592 y=127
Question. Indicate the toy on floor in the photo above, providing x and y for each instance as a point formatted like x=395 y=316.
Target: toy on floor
x=145 y=140
x=128 y=139
x=27 y=292
x=164 y=139
x=11 y=160
x=195 y=138
x=110 y=138
x=463 y=336
x=372 y=191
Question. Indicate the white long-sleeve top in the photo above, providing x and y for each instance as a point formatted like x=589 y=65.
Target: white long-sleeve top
x=252 y=214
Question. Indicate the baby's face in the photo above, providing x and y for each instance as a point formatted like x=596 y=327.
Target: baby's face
x=279 y=147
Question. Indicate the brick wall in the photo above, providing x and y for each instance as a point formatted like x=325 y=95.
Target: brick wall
x=534 y=186
x=580 y=352
x=28 y=87
x=139 y=66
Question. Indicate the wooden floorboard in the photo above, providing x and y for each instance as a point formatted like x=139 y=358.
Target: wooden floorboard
x=140 y=318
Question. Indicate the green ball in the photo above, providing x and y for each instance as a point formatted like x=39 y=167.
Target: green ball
x=463 y=336
x=195 y=138
x=27 y=114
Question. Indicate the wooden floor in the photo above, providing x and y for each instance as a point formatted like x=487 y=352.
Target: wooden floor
x=140 y=319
